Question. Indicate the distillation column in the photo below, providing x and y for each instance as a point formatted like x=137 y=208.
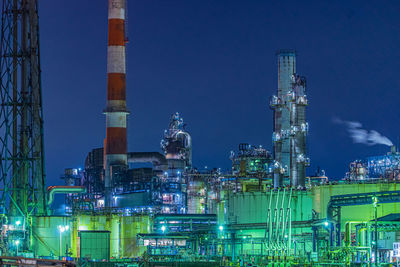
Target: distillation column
x=286 y=68
x=116 y=112
x=299 y=129
x=290 y=127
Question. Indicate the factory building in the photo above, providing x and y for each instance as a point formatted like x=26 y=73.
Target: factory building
x=155 y=205
x=173 y=209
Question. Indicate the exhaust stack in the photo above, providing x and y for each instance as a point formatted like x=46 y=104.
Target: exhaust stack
x=115 y=143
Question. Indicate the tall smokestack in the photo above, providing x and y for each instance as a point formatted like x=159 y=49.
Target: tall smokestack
x=116 y=112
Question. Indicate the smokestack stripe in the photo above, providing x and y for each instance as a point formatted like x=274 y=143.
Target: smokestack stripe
x=116 y=59
x=116 y=9
x=116 y=120
x=116 y=32
x=116 y=85
x=116 y=141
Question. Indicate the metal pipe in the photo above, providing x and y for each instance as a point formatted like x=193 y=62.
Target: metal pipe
x=188 y=145
x=156 y=158
x=280 y=234
x=52 y=190
x=288 y=223
x=269 y=222
x=275 y=218
x=376 y=233
x=294 y=179
x=278 y=175
x=348 y=233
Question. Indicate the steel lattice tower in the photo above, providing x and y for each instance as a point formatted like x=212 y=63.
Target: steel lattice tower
x=22 y=176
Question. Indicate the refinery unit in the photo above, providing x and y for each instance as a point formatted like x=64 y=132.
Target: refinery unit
x=135 y=207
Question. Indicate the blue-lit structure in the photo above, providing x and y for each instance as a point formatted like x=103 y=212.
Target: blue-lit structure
x=385 y=166
x=376 y=167
x=159 y=188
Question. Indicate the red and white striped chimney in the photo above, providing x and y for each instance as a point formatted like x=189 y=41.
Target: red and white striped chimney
x=115 y=145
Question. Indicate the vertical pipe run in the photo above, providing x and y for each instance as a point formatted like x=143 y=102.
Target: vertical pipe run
x=376 y=235
x=289 y=224
x=116 y=112
x=293 y=153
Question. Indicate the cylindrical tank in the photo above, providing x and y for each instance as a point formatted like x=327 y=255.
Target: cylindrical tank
x=47 y=233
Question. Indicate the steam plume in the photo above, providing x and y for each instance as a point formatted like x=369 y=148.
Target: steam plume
x=362 y=136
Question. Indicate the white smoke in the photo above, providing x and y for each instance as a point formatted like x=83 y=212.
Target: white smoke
x=362 y=136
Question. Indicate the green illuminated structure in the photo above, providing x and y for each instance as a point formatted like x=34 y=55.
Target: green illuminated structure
x=22 y=176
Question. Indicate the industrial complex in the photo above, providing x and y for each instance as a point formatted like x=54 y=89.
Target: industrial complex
x=129 y=208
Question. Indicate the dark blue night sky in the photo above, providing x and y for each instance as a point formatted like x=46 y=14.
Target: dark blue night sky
x=214 y=62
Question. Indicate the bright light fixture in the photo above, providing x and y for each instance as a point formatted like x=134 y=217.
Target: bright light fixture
x=63 y=228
